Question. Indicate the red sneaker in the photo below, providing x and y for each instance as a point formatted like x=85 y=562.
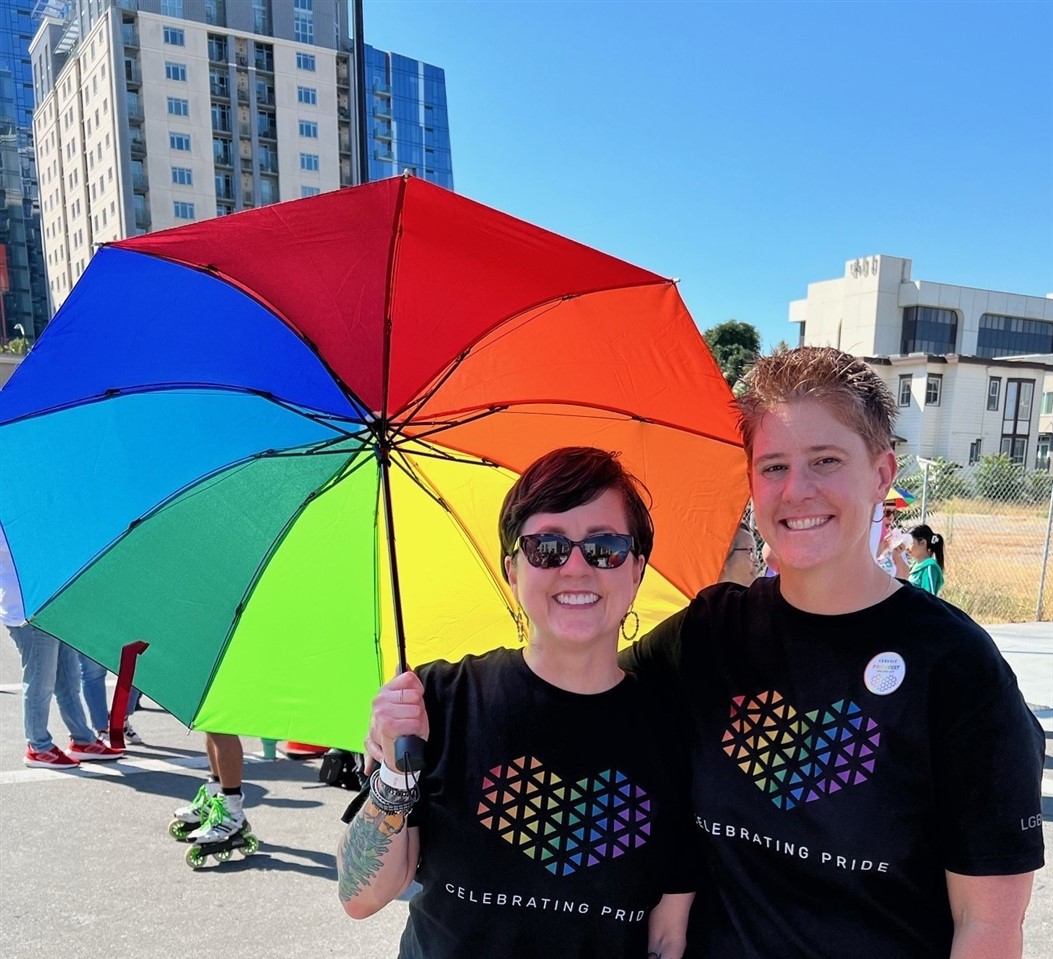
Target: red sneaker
x=97 y=750
x=294 y=750
x=54 y=758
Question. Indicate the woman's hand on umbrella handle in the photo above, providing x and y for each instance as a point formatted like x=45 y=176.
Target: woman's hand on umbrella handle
x=398 y=710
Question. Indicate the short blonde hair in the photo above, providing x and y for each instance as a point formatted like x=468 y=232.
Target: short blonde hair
x=855 y=394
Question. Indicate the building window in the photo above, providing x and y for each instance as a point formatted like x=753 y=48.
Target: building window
x=1042 y=452
x=1013 y=336
x=309 y=129
x=309 y=161
x=974 y=451
x=1016 y=418
x=216 y=14
x=179 y=141
x=183 y=210
x=261 y=16
x=178 y=107
x=175 y=37
x=175 y=71
x=182 y=175
x=308 y=95
x=904 y=389
x=304 y=61
x=217 y=48
x=1047 y=404
x=933 y=389
x=927 y=329
x=172 y=8
x=221 y=121
x=994 y=388
x=310 y=190
x=303 y=21
x=1015 y=447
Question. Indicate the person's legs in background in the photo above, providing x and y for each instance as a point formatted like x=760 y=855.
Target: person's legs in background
x=84 y=744
x=226 y=816
x=93 y=685
x=39 y=653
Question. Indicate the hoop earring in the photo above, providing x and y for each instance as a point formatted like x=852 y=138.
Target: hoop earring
x=636 y=625
x=520 y=624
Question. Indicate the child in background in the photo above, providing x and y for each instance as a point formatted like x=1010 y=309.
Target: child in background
x=926 y=553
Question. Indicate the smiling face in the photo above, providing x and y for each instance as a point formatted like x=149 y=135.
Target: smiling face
x=815 y=486
x=576 y=604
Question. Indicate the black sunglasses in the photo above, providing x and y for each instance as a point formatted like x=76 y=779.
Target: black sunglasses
x=550 y=550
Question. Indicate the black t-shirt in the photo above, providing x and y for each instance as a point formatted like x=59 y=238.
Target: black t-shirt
x=551 y=822
x=843 y=763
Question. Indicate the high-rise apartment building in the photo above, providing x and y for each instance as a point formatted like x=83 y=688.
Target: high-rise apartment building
x=23 y=285
x=153 y=113
x=408 y=126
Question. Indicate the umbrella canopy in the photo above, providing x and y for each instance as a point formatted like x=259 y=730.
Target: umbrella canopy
x=225 y=427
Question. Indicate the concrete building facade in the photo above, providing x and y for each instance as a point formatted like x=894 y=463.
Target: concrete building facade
x=971 y=369
x=155 y=113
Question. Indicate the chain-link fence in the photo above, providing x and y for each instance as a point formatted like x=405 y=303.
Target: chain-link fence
x=995 y=518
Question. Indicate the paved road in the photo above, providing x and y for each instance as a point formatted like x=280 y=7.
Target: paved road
x=88 y=872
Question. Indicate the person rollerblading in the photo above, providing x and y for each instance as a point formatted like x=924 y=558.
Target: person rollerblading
x=225 y=830
x=190 y=817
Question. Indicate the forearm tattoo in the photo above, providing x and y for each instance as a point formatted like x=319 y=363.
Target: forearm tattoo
x=362 y=849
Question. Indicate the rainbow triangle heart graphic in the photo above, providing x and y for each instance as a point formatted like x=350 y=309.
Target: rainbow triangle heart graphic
x=795 y=759
x=564 y=826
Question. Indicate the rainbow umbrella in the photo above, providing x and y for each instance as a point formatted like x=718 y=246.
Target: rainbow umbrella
x=273 y=446
x=899 y=498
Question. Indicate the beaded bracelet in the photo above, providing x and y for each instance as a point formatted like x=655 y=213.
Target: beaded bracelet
x=390 y=800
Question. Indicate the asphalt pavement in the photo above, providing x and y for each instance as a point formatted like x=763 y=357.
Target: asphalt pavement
x=87 y=870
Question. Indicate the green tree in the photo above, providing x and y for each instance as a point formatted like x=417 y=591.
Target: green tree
x=999 y=478
x=735 y=346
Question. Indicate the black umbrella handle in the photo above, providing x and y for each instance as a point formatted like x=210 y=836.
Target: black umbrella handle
x=409 y=754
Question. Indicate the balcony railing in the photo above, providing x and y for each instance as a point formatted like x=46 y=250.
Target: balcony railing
x=133 y=73
x=137 y=147
x=142 y=219
x=219 y=88
x=130 y=36
x=268 y=164
x=135 y=107
x=140 y=182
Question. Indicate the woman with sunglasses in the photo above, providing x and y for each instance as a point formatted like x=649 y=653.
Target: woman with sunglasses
x=548 y=821
x=867 y=776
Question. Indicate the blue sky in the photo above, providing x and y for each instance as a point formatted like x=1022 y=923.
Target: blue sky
x=750 y=148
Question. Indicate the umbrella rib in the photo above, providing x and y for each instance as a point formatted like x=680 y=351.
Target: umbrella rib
x=210 y=269
x=317 y=416
x=401 y=460
x=549 y=304
x=509 y=406
x=440 y=426
x=257 y=575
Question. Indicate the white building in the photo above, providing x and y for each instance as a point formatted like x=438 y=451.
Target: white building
x=971 y=369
